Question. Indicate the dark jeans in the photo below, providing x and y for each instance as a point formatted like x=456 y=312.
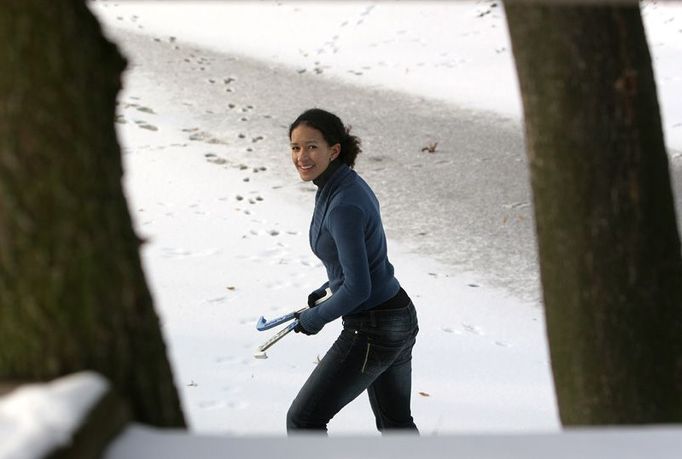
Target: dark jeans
x=373 y=352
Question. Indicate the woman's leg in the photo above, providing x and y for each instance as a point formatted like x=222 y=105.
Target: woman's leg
x=373 y=354
x=335 y=382
x=390 y=394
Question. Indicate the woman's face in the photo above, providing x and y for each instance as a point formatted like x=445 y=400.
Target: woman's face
x=310 y=153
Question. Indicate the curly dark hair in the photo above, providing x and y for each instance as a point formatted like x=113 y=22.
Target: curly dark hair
x=333 y=131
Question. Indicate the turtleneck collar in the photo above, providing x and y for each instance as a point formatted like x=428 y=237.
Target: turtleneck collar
x=324 y=177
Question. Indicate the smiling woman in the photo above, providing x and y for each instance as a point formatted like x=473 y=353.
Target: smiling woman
x=317 y=139
x=310 y=152
x=374 y=350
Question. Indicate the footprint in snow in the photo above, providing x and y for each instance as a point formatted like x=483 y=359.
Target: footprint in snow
x=211 y=404
x=451 y=330
x=248 y=320
x=145 y=125
x=232 y=389
x=367 y=10
x=517 y=205
x=203 y=136
x=170 y=252
x=277 y=285
x=227 y=360
x=217 y=300
x=146 y=110
x=215 y=159
x=473 y=329
x=179 y=253
x=238 y=405
x=274 y=253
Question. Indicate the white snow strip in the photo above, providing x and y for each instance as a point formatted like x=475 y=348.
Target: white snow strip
x=596 y=443
x=36 y=419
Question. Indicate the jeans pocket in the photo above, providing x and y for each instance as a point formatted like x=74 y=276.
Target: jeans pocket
x=379 y=356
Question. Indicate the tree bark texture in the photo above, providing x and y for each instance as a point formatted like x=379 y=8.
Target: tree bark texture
x=608 y=244
x=72 y=291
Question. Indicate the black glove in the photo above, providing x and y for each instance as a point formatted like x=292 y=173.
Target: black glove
x=316 y=295
x=299 y=328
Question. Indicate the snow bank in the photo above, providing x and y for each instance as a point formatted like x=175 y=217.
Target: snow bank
x=36 y=419
x=603 y=443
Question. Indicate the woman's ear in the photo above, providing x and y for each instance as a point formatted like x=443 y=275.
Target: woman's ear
x=336 y=150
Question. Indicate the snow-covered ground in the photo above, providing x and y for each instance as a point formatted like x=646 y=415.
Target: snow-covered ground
x=227 y=218
x=210 y=90
x=228 y=242
x=456 y=51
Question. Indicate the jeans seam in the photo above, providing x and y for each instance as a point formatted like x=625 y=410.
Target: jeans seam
x=364 y=364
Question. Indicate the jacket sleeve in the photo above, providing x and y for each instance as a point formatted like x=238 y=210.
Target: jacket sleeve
x=347 y=227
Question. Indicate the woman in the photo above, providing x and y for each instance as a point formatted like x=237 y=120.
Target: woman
x=374 y=350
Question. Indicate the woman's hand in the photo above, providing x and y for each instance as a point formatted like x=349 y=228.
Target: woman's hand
x=300 y=328
x=314 y=296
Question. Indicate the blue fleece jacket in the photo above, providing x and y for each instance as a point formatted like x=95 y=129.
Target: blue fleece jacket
x=347 y=235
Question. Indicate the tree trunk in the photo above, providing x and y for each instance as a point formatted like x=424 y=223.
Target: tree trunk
x=607 y=237
x=72 y=292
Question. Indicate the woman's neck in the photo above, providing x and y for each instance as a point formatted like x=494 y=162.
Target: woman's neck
x=324 y=177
